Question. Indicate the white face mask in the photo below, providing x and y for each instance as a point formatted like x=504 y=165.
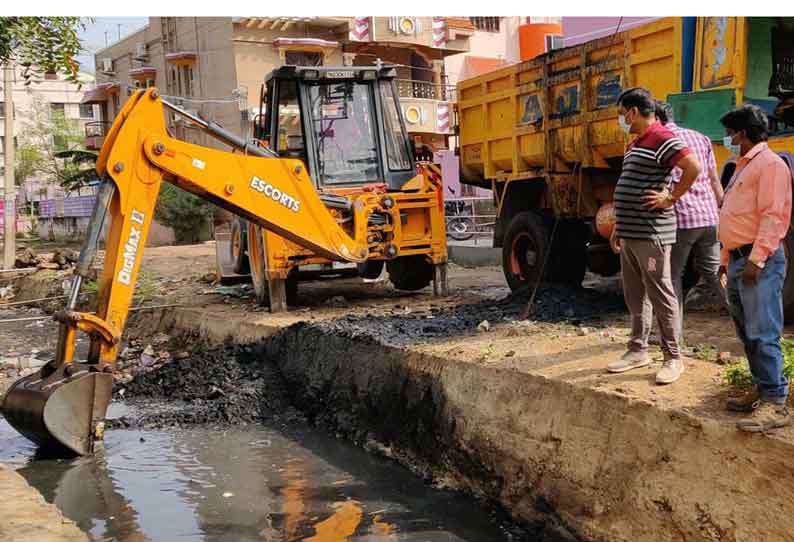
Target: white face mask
x=625 y=126
x=727 y=142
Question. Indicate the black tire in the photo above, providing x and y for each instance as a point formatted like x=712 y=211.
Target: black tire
x=238 y=245
x=568 y=261
x=410 y=273
x=788 y=284
x=371 y=269
x=525 y=245
x=460 y=228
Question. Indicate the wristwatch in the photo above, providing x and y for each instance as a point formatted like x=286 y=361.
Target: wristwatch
x=759 y=264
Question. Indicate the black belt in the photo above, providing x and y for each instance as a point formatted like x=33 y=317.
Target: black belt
x=742 y=251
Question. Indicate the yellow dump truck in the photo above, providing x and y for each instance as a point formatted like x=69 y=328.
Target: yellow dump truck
x=543 y=134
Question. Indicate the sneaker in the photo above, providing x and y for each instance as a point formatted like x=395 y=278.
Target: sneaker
x=670 y=372
x=629 y=360
x=746 y=403
x=766 y=417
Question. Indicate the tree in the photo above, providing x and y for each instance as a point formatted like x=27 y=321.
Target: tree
x=41 y=44
x=185 y=213
x=49 y=146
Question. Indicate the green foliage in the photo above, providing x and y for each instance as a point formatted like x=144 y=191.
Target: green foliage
x=79 y=168
x=738 y=373
x=182 y=211
x=49 y=146
x=41 y=44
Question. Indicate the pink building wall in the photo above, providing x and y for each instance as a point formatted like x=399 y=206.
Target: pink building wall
x=577 y=30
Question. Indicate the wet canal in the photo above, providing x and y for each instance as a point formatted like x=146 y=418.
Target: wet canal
x=245 y=484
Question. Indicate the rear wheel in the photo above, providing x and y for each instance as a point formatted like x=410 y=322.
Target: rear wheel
x=525 y=246
x=410 y=273
x=239 y=246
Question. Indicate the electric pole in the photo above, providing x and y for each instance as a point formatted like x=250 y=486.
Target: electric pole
x=9 y=228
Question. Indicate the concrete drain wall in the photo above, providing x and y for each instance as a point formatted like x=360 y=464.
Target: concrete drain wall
x=604 y=466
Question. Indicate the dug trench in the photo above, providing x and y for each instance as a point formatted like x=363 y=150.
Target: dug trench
x=562 y=456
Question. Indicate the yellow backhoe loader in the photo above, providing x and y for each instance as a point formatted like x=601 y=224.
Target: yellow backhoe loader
x=65 y=403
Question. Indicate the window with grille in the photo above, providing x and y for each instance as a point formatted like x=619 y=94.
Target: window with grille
x=553 y=42
x=485 y=24
x=86 y=111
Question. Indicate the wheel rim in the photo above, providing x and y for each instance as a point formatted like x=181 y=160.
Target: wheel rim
x=523 y=256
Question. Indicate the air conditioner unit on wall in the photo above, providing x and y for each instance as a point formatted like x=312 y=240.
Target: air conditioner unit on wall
x=140 y=51
x=107 y=65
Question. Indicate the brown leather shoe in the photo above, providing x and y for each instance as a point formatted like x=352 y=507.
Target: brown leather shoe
x=746 y=403
x=766 y=417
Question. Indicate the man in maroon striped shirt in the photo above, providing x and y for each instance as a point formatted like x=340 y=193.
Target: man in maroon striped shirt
x=696 y=213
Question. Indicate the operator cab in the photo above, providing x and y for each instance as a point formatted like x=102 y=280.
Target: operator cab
x=344 y=123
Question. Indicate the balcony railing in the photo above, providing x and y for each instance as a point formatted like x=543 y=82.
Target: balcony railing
x=410 y=88
x=95 y=133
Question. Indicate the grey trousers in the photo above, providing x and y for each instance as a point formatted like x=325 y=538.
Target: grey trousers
x=702 y=243
x=648 y=290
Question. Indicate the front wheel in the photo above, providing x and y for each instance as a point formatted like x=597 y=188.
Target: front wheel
x=410 y=273
x=239 y=246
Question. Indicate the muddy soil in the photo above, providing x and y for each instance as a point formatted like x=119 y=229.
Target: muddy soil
x=210 y=386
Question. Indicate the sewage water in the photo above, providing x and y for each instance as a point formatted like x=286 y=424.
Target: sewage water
x=247 y=483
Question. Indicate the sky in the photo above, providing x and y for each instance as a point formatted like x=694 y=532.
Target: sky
x=94 y=36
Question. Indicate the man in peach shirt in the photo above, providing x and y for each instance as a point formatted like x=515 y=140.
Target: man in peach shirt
x=754 y=218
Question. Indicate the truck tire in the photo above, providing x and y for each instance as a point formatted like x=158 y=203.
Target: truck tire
x=525 y=244
x=568 y=261
x=371 y=269
x=410 y=273
x=788 y=284
x=238 y=245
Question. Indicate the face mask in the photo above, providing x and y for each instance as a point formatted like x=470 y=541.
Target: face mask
x=727 y=142
x=625 y=126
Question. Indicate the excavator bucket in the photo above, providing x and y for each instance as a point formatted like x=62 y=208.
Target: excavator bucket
x=60 y=406
x=64 y=403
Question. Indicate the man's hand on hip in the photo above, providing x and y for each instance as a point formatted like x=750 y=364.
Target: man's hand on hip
x=658 y=200
x=723 y=275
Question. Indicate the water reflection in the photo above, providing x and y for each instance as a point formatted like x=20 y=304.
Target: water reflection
x=249 y=484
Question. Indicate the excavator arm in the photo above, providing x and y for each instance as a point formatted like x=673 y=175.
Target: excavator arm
x=66 y=401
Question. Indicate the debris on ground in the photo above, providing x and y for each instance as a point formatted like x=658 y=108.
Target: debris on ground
x=7 y=293
x=216 y=385
x=336 y=301
x=484 y=326
x=554 y=303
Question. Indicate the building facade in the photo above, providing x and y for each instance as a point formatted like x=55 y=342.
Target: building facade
x=217 y=65
x=56 y=95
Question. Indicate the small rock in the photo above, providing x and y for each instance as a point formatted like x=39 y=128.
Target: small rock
x=510 y=353
x=208 y=278
x=181 y=355
x=160 y=338
x=723 y=358
x=336 y=301
x=227 y=494
x=582 y=331
x=484 y=326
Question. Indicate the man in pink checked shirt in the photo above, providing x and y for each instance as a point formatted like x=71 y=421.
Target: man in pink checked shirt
x=697 y=215
x=754 y=218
